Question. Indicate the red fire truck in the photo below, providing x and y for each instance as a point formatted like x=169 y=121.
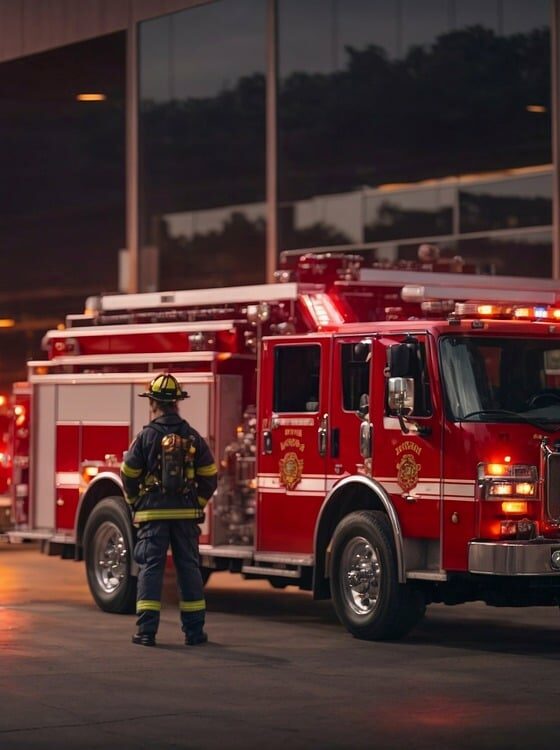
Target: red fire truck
x=388 y=438
x=5 y=463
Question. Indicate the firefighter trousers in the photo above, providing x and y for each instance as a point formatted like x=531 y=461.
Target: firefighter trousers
x=150 y=552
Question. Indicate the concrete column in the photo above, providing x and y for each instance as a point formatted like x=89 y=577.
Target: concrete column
x=132 y=171
x=271 y=139
x=555 y=132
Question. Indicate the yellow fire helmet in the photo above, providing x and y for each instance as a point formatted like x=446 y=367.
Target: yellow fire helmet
x=165 y=388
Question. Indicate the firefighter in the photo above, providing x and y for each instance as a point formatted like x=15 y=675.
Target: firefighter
x=168 y=506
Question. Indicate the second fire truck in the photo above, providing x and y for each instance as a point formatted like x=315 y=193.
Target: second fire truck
x=387 y=438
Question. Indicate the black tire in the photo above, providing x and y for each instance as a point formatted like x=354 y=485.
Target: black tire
x=108 y=547
x=368 y=598
x=277 y=583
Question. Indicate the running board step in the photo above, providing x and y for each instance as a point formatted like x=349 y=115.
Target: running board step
x=262 y=571
x=427 y=575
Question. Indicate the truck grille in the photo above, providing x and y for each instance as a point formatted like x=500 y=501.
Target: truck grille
x=553 y=485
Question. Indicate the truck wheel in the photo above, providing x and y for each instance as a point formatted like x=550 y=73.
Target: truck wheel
x=367 y=596
x=108 y=546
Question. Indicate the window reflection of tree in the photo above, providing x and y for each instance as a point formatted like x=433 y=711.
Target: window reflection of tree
x=454 y=106
x=235 y=253
x=393 y=221
x=483 y=211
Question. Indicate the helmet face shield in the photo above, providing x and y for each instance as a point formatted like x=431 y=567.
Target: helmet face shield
x=165 y=388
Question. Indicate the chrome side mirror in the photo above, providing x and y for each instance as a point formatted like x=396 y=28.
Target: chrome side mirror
x=401 y=396
x=400 y=399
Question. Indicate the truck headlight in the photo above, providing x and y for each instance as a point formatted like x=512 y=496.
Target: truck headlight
x=501 y=481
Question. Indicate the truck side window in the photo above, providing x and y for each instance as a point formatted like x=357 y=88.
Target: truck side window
x=423 y=406
x=354 y=362
x=296 y=378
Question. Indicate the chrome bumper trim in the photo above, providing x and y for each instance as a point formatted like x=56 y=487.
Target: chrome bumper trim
x=514 y=558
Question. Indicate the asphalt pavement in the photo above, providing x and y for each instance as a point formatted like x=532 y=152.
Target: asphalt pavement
x=279 y=672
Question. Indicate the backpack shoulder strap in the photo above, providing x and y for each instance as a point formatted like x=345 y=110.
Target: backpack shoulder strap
x=160 y=428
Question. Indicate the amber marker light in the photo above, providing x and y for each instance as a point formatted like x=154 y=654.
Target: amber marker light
x=496 y=470
x=536 y=109
x=7 y=322
x=487 y=309
x=90 y=97
x=525 y=488
x=88 y=472
x=510 y=506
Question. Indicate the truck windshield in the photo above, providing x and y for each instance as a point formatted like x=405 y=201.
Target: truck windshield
x=502 y=379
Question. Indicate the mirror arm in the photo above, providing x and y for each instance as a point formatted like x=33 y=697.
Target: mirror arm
x=417 y=429
x=404 y=428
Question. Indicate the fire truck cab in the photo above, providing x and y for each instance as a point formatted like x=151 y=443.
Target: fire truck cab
x=387 y=438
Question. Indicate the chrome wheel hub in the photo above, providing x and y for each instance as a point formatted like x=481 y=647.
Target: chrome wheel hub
x=360 y=575
x=110 y=556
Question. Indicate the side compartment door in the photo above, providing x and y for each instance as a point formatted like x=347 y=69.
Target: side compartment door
x=293 y=418
x=91 y=422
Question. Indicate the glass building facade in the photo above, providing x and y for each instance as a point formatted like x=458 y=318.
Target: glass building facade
x=202 y=130
x=372 y=126
x=429 y=120
x=399 y=122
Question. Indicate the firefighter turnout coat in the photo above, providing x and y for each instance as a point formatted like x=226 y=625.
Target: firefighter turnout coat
x=140 y=473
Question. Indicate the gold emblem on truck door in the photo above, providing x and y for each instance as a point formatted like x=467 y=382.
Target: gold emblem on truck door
x=291 y=468
x=407 y=472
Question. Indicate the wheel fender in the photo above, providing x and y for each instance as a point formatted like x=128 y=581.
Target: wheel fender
x=106 y=484
x=362 y=482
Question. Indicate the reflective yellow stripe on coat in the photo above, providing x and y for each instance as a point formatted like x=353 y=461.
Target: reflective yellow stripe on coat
x=207 y=471
x=128 y=471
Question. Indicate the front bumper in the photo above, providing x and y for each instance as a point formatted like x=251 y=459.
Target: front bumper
x=513 y=558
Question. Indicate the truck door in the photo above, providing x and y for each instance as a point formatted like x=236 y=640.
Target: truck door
x=349 y=405
x=293 y=419
x=409 y=465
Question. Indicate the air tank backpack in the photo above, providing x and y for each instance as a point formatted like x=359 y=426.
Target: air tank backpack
x=173 y=460
x=176 y=464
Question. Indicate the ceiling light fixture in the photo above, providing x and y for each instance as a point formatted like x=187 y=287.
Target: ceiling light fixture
x=91 y=97
x=539 y=108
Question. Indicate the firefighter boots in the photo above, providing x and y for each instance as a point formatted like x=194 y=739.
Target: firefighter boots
x=144 y=639
x=196 y=639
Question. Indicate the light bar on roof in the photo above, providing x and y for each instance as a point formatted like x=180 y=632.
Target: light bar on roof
x=422 y=292
x=322 y=309
x=199 y=297
x=537 y=313
x=482 y=310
